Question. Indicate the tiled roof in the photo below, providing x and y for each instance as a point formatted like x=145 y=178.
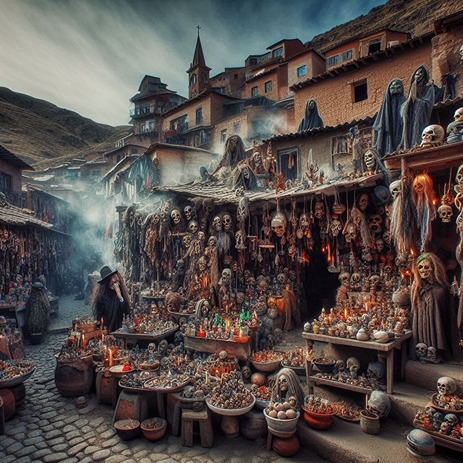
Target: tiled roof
x=12 y=215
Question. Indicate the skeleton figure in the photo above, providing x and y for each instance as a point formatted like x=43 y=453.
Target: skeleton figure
x=193 y=227
x=176 y=216
x=189 y=212
x=433 y=135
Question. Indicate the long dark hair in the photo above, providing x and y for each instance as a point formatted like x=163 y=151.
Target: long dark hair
x=104 y=294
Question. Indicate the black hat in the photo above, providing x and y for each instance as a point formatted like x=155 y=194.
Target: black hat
x=105 y=272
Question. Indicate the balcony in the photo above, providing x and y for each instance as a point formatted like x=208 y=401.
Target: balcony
x=143 y=111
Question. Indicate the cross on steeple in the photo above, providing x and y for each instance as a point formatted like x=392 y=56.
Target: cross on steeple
x=198 y=27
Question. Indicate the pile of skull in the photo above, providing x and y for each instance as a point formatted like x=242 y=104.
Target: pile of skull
x=444 y=415
x=349 y=372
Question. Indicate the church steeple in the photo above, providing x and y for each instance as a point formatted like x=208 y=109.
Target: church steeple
x=198 y=73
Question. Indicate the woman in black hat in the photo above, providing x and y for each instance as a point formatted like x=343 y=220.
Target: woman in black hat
x=110 y=299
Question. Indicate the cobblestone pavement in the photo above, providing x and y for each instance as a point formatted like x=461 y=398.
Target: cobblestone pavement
x=49 y=428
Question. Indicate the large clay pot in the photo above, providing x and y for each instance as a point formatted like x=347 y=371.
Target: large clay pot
x=106 y=388
x=286 y=447
x=73 y=379
x=369 y=422
x=253 y=425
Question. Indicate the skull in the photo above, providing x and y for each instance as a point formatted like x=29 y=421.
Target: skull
x=394 y=188
x=374 y=280
x=344 y=278
x=278 y=224
x=355 y=279
x=212 y=241
x=193 y=226
x=458 y=116
x=445 y=213
x=226 y=277
x=350 y=232
x=451 y=419
x=425 y=269
x=335 y=227
x=319 y=210
x=217 y=223
x=186 y=241
x=304 y=221
x=227 y=222
x=379 y=403
x=283 y=383
x=353 y=365
x=387 y=237
x=432 y=135
x=379 y=244
x=421 y=350
x=374 y=222
x=281 y=279
x=432 y=355
x=446 y=385
x=370 y=159
x=176 y=216
x=189 y=212
x=376 y=370
x=243 y=209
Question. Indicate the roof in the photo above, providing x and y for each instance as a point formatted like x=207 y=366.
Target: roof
x=283 y=41
x=12 y=159
x=198 y=59
x=12 y=215
x=172 y=146
x=223 y=195
x=125 y=160
x=366 y=60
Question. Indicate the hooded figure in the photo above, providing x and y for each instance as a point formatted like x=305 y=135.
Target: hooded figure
x=234 y=153
x=311 y=120
x=417 y=108
x=388 y=125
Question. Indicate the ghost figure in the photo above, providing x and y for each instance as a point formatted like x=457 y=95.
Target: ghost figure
x=311 y=119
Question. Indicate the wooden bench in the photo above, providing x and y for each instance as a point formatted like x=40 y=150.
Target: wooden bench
x=203 y=418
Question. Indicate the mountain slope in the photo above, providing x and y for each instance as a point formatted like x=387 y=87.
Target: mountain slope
x=42 y=134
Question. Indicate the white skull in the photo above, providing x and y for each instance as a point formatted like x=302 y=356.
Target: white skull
x=186 y=241
x=374 y=222
x=394 y=188
x=226 y=276
x=370 y=159
x=350 y=232
x=432 y=135
x=227 y=222
x=380 y=403
x=212 y=241
x=193 y=226
x=425 y=269
x=421 y=350
x=458 y=116
x=176 y=216
x=445 y=213
x=335 y=227
x=217 y=223
x=446 y=385
x=189 y=212
x=432 y=354
x=279 y=223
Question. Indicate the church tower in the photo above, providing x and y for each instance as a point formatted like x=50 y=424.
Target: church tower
x=198 y=73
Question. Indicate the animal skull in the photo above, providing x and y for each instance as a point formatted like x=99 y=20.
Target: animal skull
x=432 y=135
x=445 y=213
x=446 y=385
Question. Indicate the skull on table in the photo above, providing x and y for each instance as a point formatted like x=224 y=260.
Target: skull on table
x=446 y=385
x=432 y=135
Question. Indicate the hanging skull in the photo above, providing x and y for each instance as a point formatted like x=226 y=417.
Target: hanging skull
x=279 y=223
x=226 y=277
x=335 y=227
x=433 y=135
x=243 y=209
x=374 y=222
x=370 y=159
x=227 y=222
x=319 y=210
x=350 y=232
x=217 y=223
x=446 y=385
x=394 y=188
x=193 y=227
x=189 y=212
x=445 y=213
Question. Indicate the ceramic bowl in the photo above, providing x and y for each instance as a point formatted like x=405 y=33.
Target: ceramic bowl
x=286 y=426
x=153 y=428
x=127 y=429
x=324 y=365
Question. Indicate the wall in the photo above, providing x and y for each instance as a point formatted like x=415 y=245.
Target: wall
x=15 y=181
x=334 y=96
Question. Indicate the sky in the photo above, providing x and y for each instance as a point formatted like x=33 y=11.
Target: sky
x=89 y=56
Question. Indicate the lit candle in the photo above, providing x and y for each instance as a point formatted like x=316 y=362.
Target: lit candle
x=110 y=357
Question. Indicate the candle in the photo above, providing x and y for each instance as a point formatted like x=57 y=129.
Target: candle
x=83 y=341
x=207 y=377
x=110 y=357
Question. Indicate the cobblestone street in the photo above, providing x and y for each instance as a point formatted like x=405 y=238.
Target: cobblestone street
x=50 y=428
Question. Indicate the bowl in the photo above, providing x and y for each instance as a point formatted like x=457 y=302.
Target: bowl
x=324 y=364
x=284 y=426
x=318 y=420
x=231 y=411
x=443 y=410
x=127 y=429
x=267 y=367
x=153 y=428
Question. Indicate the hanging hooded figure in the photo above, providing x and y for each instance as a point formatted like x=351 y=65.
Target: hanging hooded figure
x=388 y=125
x=417 y=108
x=311 y=120
x=234 y=152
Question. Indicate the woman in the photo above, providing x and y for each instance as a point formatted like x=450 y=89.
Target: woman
x=110 y=299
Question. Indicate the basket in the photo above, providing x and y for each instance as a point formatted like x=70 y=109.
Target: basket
x=287 y=426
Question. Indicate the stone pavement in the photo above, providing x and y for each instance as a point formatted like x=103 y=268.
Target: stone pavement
x=49 y=428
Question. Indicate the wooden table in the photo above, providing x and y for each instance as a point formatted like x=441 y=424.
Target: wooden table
x=384 y=350
x=133 y=338
x=210 y=345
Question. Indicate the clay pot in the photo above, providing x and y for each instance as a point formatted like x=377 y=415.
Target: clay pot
x=153 y=428
x=127 y=429
x=253 y=425
x=369 y=422
x=318 y=420
x=286 y=447
x=73 y=379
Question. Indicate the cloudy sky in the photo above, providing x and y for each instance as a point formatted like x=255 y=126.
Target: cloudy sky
x=89 y=56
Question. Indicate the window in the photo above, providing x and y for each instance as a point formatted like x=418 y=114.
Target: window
x=302 y=70
x=5 y=182
x=172 y=125
x=374 y=45
x=288 y=163
x=193 y=79
x=278 y=52
x=151 y=126
x=339 y=58
x=236 y=127
x=360 y=91
x=346 y=56
x=182 y=124
x=202 y=137
x=223 y=135
x=199 y=116
x=268 y=86
x=254 y=91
